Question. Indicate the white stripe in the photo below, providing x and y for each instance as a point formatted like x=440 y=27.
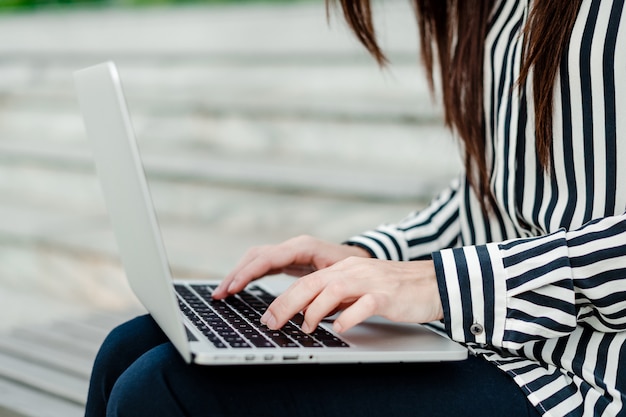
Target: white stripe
x=570 y=349
x=541 y=310
x=610 y=376
x=566 y=406
x=591 y=360
x=388 y=243
x=554 y=275
x=454 y=295
x=476 y=288
x=500 y=296
x=597 y=85
x=577 y=126
x=620 y=103
x=532 y=243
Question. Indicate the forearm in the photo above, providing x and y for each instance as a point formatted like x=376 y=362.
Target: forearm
x=419 y=234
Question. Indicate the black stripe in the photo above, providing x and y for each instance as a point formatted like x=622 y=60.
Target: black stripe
x=610 y=118
x=509 y=135
x=380 y=244
x=495 y=102
x=566 y=107
x=599 y=255
x=438 y=233
x=539 y=190
x=396 y=245
x=621 y=370
x=495 y=15
x=520 y=151
x=599 y=371
x=517 y=242
x=559 y=350
x=443 y=291
x=362 y=246
x=545 y=322
x=568 y=146
x=587 y=107
x=511 y=260
x=603 y=277
x=616 y=229
x=434 y=213
x=488 y=289
x=581 y=352
x=529 y=275
x=470 y=220
x=466 y=295
x=515 y=336
x=544 y=300
x=561 y=396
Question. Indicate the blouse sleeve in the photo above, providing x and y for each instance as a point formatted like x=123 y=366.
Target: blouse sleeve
x=418 y=234
x=506 y=294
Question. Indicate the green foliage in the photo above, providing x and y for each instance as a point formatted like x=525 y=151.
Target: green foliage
x=8 y=4
x=20 y=5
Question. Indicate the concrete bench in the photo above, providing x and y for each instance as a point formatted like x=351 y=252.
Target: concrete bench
x=44 y=369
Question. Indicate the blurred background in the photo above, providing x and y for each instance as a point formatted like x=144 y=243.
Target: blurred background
x=257 y=121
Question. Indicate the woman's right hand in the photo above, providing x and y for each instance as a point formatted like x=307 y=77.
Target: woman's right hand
x=298 y=256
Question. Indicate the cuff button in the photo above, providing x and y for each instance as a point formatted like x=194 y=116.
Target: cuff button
x=476 y=329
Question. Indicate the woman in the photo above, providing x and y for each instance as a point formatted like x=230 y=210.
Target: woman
x=523 y=258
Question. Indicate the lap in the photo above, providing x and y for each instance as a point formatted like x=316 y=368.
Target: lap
x=169 y=386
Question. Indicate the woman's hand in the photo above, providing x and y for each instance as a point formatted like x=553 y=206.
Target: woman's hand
x=398 y=291
x=298 y=257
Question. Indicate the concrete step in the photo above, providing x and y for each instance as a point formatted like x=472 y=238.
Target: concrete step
x=360 y=91
x=368 y=134
x=381 y=163
x=50 y=210
x=208 y=31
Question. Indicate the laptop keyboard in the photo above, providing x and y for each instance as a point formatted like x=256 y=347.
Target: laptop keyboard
x=235 y=321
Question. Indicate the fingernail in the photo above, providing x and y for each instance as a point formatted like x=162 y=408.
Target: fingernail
x=306 y=328
x=268 y=319
x=337 y=327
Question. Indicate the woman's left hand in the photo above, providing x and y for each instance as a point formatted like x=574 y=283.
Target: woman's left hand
x=360 y=288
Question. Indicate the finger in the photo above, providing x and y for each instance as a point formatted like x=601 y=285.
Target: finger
x=337 y=294
x=257 y=262
x=366 y=306
x=222 y=289
x=271 y=261
x=294 y=299
x=295 y=256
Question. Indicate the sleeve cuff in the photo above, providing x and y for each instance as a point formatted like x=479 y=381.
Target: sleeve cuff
x=380 y=244
x=473 y=293
x=507 y=294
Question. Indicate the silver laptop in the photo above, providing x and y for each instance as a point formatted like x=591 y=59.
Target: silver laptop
x=206 y=331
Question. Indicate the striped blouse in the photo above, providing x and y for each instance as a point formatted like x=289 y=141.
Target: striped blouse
x=538 y=286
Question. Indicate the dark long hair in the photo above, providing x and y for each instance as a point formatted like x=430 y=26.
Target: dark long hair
x=452 y=33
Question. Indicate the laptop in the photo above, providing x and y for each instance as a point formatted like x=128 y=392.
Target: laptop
x=203 y=330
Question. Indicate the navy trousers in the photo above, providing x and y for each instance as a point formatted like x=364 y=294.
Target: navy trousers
x=137 y=372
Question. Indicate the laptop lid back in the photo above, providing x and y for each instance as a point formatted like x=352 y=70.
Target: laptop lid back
x=127 y=197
